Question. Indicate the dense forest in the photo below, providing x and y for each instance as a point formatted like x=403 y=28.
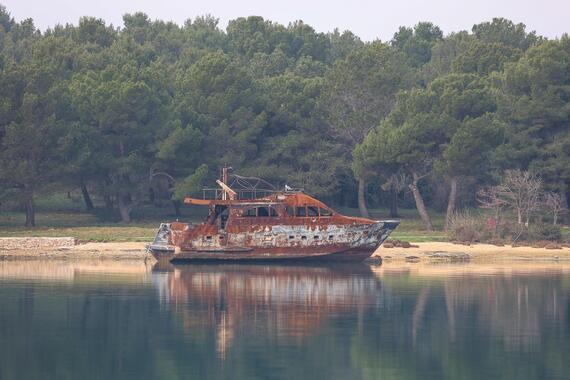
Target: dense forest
x=151 y=110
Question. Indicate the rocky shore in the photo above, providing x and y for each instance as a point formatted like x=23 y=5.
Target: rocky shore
x=12 y=243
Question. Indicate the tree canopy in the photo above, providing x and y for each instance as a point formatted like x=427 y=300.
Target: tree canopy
x=151 y=110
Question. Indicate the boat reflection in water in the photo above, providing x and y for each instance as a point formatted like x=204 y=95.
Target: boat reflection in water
x=284 y=301
x=116 y=320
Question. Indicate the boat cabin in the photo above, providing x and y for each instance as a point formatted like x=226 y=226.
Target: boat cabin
x=279 y=208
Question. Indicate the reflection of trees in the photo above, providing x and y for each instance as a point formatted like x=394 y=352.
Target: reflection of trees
x=55 y=329
x=513 y=308
x=511 y=326
x=419 y=311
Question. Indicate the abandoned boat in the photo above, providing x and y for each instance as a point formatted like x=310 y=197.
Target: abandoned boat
x=255 y=224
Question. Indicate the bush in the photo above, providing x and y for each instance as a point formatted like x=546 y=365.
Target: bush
x=464 y=227
x=545 y=232
x=511 y=232
x=541 y=233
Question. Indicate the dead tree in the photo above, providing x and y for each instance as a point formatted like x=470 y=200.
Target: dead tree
x=490 y=198
x=521 y=190
x=554 y=202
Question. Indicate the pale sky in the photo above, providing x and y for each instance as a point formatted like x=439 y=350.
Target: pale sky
x=368 y=19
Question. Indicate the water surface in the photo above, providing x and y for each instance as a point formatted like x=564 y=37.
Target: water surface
x=114 y=320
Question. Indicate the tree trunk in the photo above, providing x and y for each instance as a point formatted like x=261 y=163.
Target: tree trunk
x=394 y=203
x=361 y=198
x=176 y=205
x=453 y=182
x=420 y=205
x=124 y=208
x=30 y=211
x=108 y=202
x=86 y=198
x=565 y=201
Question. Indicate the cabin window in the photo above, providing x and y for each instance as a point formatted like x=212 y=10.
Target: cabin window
x=250 y=212
x=316 y=237
x=313 y=211
x=325 y=212
x=300 y=211
x=261 y=211
x=266 y=211
x=331 y=237
x=290 y=211
x=303 y=237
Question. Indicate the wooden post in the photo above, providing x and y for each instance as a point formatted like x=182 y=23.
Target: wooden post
x=225 y=181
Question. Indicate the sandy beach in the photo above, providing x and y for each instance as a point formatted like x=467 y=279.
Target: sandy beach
x=111 y=251
x=425 y=252
x=443 y=251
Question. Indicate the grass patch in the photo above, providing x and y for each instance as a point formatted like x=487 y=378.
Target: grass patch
x=411 y=227
x=89 y=227
x=88 y=234
x=419 y=237
x=565 y=233
x=16 y=220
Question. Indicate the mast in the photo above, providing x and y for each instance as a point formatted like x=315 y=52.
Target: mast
x=225 y=181
x=227 y=191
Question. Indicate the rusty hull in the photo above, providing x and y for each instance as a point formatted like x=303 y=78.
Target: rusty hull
x=279 y=237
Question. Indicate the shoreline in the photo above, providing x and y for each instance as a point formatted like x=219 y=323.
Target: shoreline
x=424 y=252
x=85 y=251
x=479 y=252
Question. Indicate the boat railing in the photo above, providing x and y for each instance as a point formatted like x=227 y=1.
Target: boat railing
x=216 y=193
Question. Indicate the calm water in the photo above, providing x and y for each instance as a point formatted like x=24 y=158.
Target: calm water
x=122 y=321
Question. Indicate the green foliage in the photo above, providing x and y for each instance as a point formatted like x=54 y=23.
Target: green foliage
x=430 y=125
x=92 y=30
x=122 y=112
x=342 y=44
x=191 y=184
x=469 y=149
x=444 y=52
x=546 y=232
x=483 y=58
x=540 y=232
x=180 y=144
x=506 y=32
x=535 y=103
x=417 y=42
x=360 y=90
